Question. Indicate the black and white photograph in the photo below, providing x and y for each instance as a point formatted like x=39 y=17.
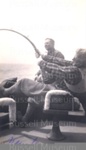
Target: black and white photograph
x=43 y=74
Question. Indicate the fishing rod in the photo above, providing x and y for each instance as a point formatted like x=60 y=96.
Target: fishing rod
x=36 y=50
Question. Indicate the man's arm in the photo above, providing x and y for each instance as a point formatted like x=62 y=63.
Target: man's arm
x=69 y=73
x=56 y=60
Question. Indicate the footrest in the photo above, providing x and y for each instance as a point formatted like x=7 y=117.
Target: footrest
x=81 y=112
x=65 y=112
x=56 y=112
x=76 y=113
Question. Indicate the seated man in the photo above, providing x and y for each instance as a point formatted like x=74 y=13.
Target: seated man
x=51 y=51
x=72 y=72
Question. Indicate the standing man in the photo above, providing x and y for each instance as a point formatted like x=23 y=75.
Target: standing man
x=49 y=46
x=51 y=51
x=72 y=72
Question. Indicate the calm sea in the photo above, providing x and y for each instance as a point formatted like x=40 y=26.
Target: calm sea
x=17 y=70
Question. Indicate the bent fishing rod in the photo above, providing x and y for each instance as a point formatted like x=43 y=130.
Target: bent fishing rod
x=11 y=30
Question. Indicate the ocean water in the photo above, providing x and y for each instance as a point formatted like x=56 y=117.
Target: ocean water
x=17 y=70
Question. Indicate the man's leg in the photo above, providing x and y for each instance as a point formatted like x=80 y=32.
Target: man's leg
x=32 y=105
x=26 y=87
x=23 y=120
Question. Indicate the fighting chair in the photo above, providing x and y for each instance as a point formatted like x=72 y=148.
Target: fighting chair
x=61 y=105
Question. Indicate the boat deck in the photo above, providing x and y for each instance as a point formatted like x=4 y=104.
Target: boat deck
x=73 y=131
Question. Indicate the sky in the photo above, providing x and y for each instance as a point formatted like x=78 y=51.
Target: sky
x=62 y=20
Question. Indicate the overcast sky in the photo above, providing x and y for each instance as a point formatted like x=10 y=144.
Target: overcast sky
x=62 y=20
